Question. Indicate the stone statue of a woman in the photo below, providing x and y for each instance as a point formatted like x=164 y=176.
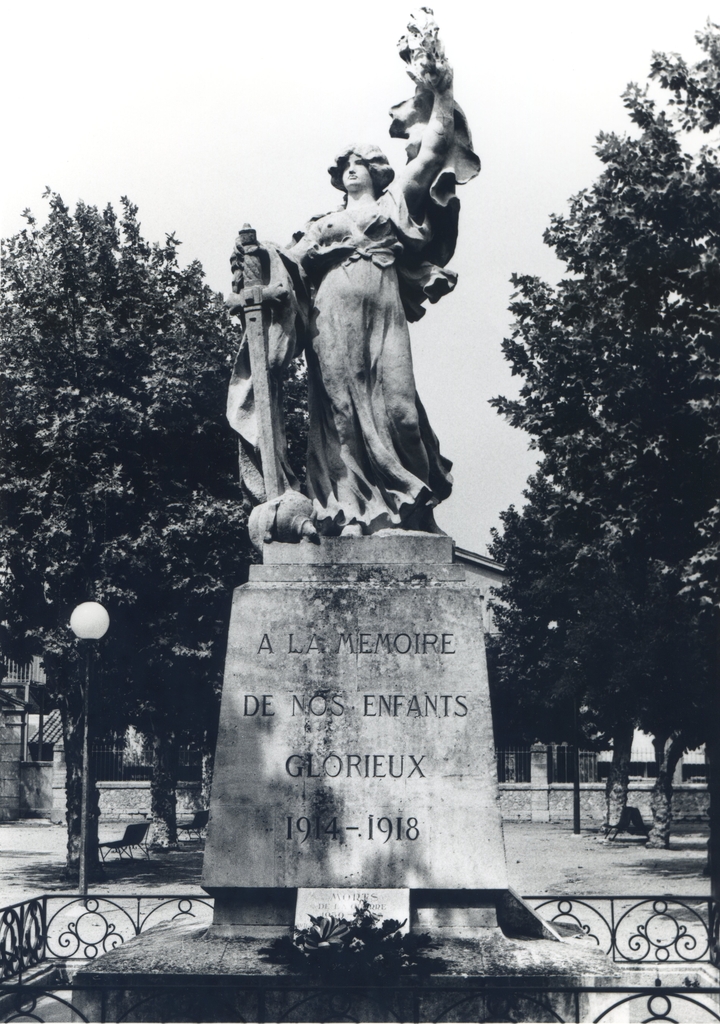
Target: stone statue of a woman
x=345 y=292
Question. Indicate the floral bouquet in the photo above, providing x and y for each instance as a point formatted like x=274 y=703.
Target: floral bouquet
x=363 y=948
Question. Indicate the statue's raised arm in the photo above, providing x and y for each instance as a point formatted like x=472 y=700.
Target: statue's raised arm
x=431 y=113
x=439 y=147
x=367 y=268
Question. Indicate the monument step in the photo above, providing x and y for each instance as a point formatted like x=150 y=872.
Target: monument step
x=185 y=973
x=417 y=574
x=394 y=547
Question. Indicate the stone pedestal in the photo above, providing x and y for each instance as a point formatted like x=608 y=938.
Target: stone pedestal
x=182 y=973
x=355 y=753
x=355 y=745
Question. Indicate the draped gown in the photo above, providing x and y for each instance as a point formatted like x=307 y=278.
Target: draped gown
x=373 y=458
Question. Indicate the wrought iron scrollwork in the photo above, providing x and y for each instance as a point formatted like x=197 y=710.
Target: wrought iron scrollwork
x=22 y=937
x=668 y=1006
x=580 y=913
x=84 y=927
x=715 y=933
x=663 y=930
x=657 y=929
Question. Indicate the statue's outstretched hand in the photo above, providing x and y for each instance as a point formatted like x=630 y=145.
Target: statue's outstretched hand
x=423 y=52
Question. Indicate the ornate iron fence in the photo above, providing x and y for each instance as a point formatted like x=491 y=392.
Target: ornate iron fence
x=638 y=929
x=302 y=1001
x=22 y=937
x=630 y=929
x=51 y=933
x=82 y=927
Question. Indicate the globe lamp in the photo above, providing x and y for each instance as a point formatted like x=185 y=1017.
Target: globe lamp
x=89 y=621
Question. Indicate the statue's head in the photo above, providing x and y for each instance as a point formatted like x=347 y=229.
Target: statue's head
x=381 y=173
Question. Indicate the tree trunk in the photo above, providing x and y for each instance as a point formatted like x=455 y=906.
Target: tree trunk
x=616 y=787
x=163 y=786
x=208 y=764
x=669 y=753
x=70 y=702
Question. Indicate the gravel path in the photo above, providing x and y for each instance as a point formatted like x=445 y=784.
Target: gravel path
x=541 y=859
x=32 y=861
x=550 y=859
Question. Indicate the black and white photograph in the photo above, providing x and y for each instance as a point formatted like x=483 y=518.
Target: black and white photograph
x=360 y=512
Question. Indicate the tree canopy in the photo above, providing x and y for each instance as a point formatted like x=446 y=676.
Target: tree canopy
x=612 y=568
x=117 y=469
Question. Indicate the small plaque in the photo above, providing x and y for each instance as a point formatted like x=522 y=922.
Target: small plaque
x=384 y=903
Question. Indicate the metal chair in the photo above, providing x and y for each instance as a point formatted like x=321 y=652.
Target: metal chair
x=135 y=836
x=195 y=827
x=631 y=822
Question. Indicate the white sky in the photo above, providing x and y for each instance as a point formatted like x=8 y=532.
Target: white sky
x=211 y=114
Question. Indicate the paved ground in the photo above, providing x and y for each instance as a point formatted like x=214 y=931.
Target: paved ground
x=32 y=860
x=541 y=859
x=550 y=859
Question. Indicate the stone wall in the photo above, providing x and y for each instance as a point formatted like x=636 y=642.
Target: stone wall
x=691 y=801
x=128 y=801
x=122 y=801
x=10 y=753
x=519 y=801
x=36 y=789
x=516 y=801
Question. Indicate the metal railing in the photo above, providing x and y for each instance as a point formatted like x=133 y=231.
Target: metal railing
x=272 y=999
x=69 y=928
x=629 y=929
x=32 y=672
x=58 y=931
x=513 y=764
x=561 y=764
x=638 y=929
x=114 y=763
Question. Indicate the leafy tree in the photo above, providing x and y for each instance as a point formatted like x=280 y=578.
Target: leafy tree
x=579 y=627
x=117 y=476
x=621 y=386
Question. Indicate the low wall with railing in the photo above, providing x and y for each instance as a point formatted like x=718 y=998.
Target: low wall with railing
x=536 y=785
x=665 y=947
x=520 y=801
x=637 y=929
x=122 y=800
x=125 y=801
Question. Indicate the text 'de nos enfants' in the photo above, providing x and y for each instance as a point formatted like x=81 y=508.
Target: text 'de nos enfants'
x=374 y=705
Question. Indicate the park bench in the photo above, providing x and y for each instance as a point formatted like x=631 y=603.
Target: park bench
x=631 y=822
x=135 y=836
x=194 y=828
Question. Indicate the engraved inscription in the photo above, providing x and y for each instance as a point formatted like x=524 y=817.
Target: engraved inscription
x=348 y=766
x=441 y=705
x=319 y=704
x=382 y=829
x=253 y=705
x=361 y=643
x=374 y=705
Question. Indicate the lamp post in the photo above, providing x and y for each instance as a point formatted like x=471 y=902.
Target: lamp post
x=576 y=765
x=89 y=621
